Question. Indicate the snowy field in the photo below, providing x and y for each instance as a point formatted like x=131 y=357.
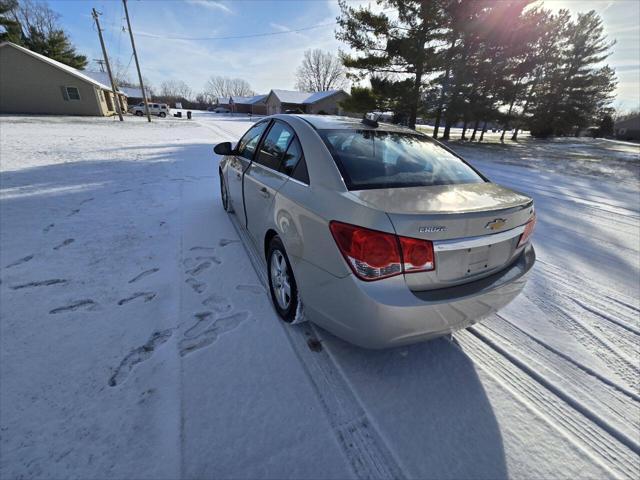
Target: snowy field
x=138 y=341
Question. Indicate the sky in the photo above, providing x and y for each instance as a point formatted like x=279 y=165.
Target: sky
x=174 y=38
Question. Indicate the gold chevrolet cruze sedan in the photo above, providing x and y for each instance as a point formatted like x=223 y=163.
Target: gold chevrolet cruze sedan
x=385 y=235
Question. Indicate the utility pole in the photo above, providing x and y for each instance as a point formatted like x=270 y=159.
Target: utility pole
x=135 y=55
x=116 y=99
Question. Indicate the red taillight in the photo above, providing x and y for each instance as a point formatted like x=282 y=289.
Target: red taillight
x=373 y=255
x=528 y=231
x=416 y=254
x=370 y=254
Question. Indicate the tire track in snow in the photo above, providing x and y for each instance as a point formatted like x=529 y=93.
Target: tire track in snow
x=612 y=404
x=559 y=410
x=360 y=442
x=615 y=341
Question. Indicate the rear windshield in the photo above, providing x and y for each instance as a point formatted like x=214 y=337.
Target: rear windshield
x=373 y=159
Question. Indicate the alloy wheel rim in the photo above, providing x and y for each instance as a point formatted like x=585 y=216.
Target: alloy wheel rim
x=280 y=279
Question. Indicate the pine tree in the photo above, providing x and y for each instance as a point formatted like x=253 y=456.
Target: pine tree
x=12 y=31
x=35 y=26
x=395 y=50
x=575 y=90
x=55 y=45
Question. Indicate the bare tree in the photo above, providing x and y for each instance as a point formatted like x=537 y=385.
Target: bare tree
x=320 y=71
x=35 y=15
x=175 y=89
x=218 y=86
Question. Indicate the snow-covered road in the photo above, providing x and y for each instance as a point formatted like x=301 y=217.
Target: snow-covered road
x=137 y=339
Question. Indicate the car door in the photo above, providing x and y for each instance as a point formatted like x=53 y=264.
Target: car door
x=262 y=179
x=238 y=164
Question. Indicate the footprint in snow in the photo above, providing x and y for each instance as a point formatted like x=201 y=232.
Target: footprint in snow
x=198 y=269
x=20 y=261
x=203 y=319
x=211 y=258
x=197 y=286
x=213 y=333
x=68 y=241
x=84 y=304
x=202 y=249
x=138 y=355
x=73 y=212
x=86 y=201
x=147 y=296
x=48 y=227
x=146 y=273
x=217 y=302
x=43 y=283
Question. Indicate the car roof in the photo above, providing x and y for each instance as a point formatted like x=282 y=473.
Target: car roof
x=334 y=122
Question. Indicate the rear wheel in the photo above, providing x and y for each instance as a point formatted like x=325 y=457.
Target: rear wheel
x=282 y=284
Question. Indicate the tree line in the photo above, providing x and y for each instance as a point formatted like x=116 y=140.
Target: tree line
x=510 y=63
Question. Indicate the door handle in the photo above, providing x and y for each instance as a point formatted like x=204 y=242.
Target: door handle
x=264 y=192
x=238 y=176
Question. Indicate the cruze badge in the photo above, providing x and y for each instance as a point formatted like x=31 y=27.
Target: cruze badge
x=496 y=224
x=438 y=228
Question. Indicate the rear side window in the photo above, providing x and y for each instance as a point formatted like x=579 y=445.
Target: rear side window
x=294 y=164
x=372 y=159
x=274 y=146
x=249 y=142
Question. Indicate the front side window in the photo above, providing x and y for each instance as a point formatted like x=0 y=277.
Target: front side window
x=73 y=93
x=373 y=159
x=274 y=146
x=249 y=142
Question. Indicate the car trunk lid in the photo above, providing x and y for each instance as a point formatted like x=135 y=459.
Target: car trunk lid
x=475 y=228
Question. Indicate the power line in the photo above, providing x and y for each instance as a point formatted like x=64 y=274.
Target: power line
x=251 y=35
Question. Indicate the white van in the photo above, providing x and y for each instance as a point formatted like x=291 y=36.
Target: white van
x=159 y=109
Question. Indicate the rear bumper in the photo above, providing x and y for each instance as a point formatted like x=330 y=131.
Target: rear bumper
x=387 y=313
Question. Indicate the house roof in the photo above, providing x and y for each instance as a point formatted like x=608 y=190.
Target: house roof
x=631 y=122
x=241 y=100
x=60 y=66
x=303 y=98
x=133 y=92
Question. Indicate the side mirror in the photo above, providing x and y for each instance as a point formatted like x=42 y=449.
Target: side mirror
x=223 y=148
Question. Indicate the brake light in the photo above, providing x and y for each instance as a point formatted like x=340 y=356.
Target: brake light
x=417 y=255
x=374 y=255
x=528 y=231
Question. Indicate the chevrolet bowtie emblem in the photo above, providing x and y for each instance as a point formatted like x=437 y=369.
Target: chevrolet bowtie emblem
x=496 y=224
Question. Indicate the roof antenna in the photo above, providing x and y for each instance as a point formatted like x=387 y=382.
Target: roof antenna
x=369 y=122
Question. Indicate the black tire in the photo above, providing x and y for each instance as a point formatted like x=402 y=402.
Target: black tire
x=287 y=313
x=224 y=194
x=139 y=113
x=162 y=114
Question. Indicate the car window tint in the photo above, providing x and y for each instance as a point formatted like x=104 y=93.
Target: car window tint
x=291 y=157
x=249 y=142
x=375 y=159
x=274 y=146
x=301 y=173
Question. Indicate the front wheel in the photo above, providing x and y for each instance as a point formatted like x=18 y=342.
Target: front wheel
x=162 y=114
x=282 y=284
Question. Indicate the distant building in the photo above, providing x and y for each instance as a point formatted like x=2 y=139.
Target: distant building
x=281 y=101
x=254 y=104
x=628 y=129
x=33 y=83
